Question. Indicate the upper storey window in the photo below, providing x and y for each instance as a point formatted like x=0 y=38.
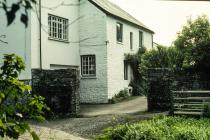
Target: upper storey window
x=58 y=28
x=119 y=32
x=140 y=39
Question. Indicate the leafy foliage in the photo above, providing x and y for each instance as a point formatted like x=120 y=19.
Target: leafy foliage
x=16 y=102
x=122 y=95
x=160 y=57
x=160 y=128
x=12 y=9
x=134 y=60
x=206 y=110
x=194 y=41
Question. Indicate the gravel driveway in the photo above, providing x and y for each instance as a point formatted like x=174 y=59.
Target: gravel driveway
x=95 y=118
x=91 y=126
x=137 y=104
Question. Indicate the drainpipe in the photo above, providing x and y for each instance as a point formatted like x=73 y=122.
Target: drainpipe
x=40 y=32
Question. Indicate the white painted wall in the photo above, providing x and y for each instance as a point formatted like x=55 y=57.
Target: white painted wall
x=18 y=38
x=55 y=52
x=116 y=52
x=93 y=29
x=87 y=36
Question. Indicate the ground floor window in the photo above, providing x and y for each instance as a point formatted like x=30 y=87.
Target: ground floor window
x=125 y=70
x=88 y=65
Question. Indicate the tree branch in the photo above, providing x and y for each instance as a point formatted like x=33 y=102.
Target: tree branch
x=2 y=41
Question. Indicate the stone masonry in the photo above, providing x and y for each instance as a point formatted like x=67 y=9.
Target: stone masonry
x=60 y=88
x=163 y=81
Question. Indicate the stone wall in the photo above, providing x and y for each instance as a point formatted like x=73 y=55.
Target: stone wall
x=159 y=92
x=60 y=88
x=163 y=81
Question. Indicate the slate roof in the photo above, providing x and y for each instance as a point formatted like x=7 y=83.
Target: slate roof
x=114 y=10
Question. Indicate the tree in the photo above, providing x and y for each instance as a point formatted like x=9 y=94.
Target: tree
x=12 y=9
x=193 y=41
x=16 y=102
x=160 y=57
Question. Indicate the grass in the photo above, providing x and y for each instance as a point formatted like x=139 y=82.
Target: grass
x=160 y=128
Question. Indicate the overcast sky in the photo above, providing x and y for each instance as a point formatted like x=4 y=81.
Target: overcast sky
x=165 y=18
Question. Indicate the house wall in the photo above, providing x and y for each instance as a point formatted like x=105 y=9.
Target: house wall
x=18 y=38
x=116 y=52
x=93 y=41
x=55 y=52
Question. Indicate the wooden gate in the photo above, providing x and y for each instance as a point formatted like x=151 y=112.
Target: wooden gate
x=190 y=102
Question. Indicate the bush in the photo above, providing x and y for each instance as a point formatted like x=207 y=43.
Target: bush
x=160 y=128
x=194 y=42
x=139 y=87
x=122 y=95
x=137 y=83
x=16 y=102
x=160 y=57
x=206 y=110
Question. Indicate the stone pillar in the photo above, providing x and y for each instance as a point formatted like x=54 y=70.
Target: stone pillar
x=60 y=88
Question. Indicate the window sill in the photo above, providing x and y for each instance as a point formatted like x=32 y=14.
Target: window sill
x=121 y=43
x=88 y=77
x=59 y=40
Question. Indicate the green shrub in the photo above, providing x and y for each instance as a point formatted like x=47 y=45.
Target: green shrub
x=160 y=57
x=206 y=110
x=16 y=102
x=122 y=95
x=137 y=83
x=194 y=42
x=139 y=87
x=160 y=128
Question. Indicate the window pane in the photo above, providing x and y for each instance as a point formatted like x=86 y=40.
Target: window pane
x=125 y=70
x=58 y=28
x=131 y=40
x=119 y=32
x=140 y=39
x=88 y=65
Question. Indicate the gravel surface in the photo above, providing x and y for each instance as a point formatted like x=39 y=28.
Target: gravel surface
x=98 y=117
x=91 y=126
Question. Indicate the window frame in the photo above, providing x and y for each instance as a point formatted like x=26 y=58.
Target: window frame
x=119 y=35
x=86 y=72
x=141 y=42
x=58 y=28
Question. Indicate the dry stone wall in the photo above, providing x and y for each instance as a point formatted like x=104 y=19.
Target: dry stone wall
x=163 y=81
x=60 y=88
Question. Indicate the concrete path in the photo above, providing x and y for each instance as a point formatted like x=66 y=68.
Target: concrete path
x=137 y=104
x=45 y=133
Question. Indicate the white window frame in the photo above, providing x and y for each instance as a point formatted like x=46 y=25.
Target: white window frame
x=88 y=65
x=58 y=28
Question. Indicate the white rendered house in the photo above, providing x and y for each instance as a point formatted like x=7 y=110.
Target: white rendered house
x=90 y=35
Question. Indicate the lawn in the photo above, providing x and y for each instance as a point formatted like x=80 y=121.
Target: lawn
x=160 y=128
